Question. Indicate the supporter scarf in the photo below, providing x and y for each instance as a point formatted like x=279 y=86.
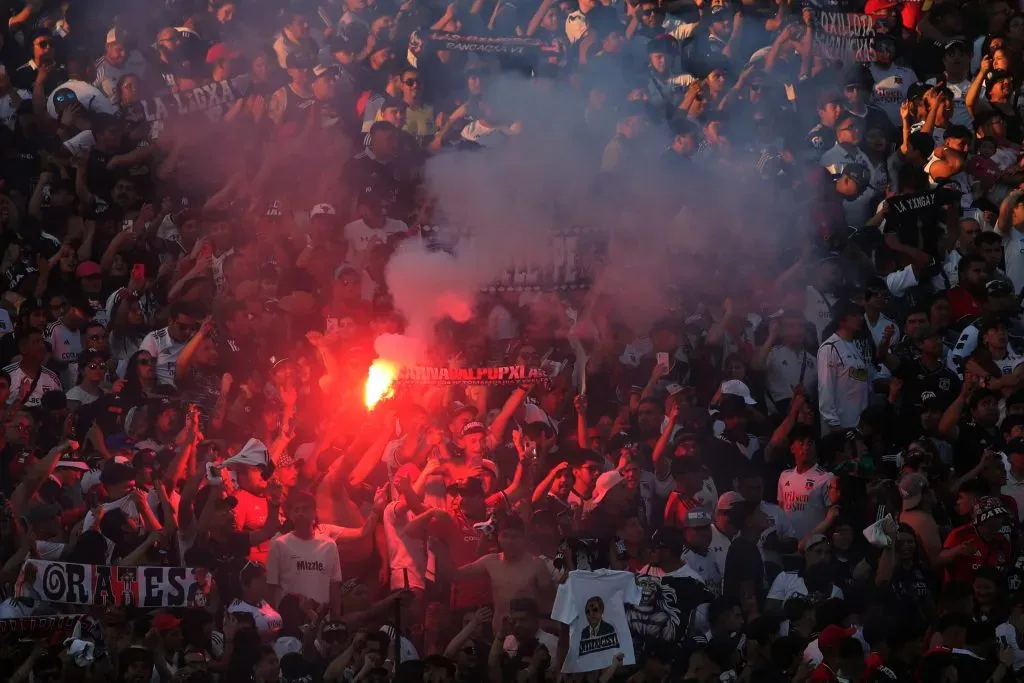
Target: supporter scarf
x=212 y=99
x=488 y=44
x=39 y=626
x=505 y=374
x=89 y=584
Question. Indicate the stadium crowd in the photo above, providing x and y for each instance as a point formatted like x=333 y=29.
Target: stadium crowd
x=807 y=465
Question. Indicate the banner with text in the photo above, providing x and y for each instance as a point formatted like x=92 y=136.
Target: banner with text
x=89 y=584
x=506 y=374
x=36 y=627
x=517 y=47
x=845 y=36
x=212 y=100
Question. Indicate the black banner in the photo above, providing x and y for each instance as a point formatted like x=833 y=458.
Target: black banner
x=211 y=99
x=844 y=36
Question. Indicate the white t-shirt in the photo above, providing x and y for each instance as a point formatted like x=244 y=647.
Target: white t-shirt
x=1007 y=636
x=405 y=553
x=890 y=89
x=268 y=621
x=789 y=584
x=304 y=567
x=705 y=567
x=548 y=640
x=66 y=347
x=719 y=549
x=844 y=382
x=361 y=237
x=803 y=497
x=165 y=350
x=593 y=647
x=48 y=381
x=818 y=309
x=784 y=370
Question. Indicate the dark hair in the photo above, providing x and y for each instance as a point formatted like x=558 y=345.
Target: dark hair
x=969 y=260
x=441 y=662
x=986 y=237
x=24 y=334
x=958 y=132
x=720 y=607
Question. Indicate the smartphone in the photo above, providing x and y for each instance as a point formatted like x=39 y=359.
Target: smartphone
x=139 y=271
x=662 y=358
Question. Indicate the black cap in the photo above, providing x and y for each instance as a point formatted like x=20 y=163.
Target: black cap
x=989 y=322
x=1015 y=446
x=116 y=473
x=956 y=46
x=857 y=172
x=688 y=465
x=998 y=288
x=299 y=60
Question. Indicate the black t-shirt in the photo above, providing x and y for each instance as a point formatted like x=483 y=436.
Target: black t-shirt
x=229 y=556
x=665 y=607
x=971 y=443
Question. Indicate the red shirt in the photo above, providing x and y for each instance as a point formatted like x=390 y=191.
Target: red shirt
x=824 y=674
x=962 y=303
x=994 y=553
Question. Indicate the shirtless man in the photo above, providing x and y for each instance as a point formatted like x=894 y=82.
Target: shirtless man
x=514 y=573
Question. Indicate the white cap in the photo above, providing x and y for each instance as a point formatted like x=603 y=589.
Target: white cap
x=737 y=388
x=322 y=210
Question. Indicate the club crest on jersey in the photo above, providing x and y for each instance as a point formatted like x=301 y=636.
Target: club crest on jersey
x=809 y=484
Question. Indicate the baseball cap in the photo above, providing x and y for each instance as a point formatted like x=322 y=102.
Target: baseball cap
x=165 y=622
x=116 y=35
x=912 y=488
x=458 y=408
x=69 y=461
x=954 y=46
x=474 y=427
x=88 y=269
x=220 y=52
x=727 y=500
x=697 y=517
x=718 y=9
x=813 y=540
x=998 y=288
x=832 y=635
x=735 y=387
x=299 y=60
x=322 y=210
x=605 y=483
x=335 y=631
x=857 y=172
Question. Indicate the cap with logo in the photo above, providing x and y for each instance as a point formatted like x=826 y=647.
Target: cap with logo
x=697 y=517
x=989 y=507
x=912 y=488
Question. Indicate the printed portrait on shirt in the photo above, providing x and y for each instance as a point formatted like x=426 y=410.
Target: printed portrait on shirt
x=598 y=635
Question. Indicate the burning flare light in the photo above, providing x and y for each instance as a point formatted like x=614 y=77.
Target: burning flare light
x=379 y=382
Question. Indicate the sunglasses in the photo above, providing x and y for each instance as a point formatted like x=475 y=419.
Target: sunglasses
x=411 y=81
x=94 y=366
x=64 y=97
x=145 y=361
x=44 y=44
x=469 y=650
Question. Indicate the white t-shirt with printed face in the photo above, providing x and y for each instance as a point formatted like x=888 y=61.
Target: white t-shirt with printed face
x=596 y=637
x=268 y=621
x=803 y=497
x=304 y=567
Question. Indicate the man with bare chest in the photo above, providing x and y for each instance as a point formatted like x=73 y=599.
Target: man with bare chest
x=514 y=573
